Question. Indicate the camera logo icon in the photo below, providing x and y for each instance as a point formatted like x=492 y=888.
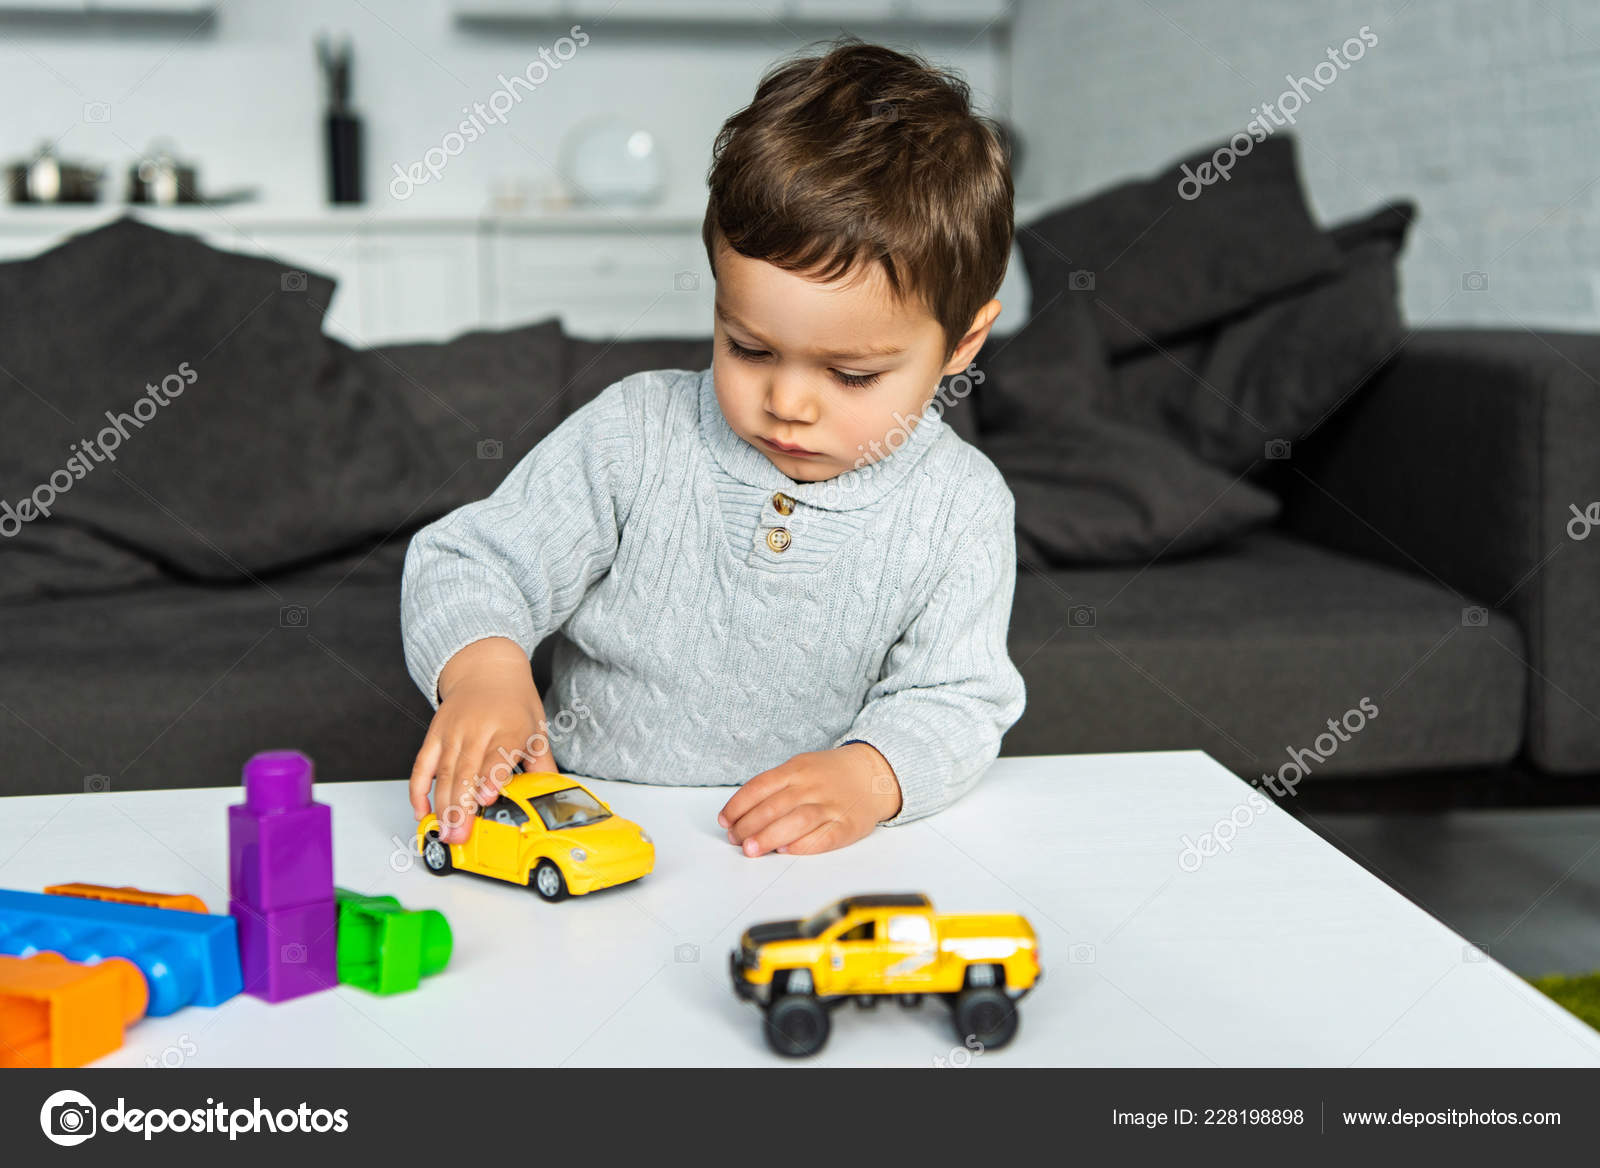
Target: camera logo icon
x=1081 y=616
x=292 y=282
x=293 y=616
x=686 y=282
x=294 y=953
x=68 y=1118
x=686 y=954
x=490 y=449
x=96 y=111
x=1080 y=281
x=1278 y=449
x=1474 y=281
x=887 y=110
x=1474 y=616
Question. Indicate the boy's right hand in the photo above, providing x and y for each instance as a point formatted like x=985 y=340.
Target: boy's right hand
x=489 y=719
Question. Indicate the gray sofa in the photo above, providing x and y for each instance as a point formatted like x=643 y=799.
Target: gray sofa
x=231 y=582
x=1441 y=489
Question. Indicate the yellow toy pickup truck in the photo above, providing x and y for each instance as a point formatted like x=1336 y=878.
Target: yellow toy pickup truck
x=862 y=948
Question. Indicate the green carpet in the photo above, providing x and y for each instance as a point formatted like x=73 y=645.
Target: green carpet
x=1579 y=994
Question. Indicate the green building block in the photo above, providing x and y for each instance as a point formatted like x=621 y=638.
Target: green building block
x=386 y=949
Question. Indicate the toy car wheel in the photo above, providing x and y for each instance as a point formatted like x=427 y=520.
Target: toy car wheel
x=548 y=882
x=436 y=855
x=985 y=1015
x=797 y=1025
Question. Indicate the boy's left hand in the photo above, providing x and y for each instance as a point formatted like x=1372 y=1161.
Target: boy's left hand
x=815 y=802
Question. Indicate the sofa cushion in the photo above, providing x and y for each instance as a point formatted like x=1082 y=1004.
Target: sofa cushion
x=1247 y=652
x=1248 y=388
x=1089 y=488
x=472 y=406
x=222 y=452
x=1094 y=491
x=1052 y=368
x=1158 y=264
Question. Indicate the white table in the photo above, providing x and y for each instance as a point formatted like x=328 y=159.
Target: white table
x=1279 y=951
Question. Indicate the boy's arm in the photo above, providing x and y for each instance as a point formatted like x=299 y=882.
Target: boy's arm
x=517 y=563
x=949 y=690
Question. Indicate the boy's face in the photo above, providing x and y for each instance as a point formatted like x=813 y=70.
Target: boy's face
x=832 y=368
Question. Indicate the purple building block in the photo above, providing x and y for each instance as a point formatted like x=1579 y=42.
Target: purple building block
x=288 y=952
x=280 y=843
x=280 y=879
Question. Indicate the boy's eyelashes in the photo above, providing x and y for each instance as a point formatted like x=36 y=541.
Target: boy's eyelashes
x=853 y=380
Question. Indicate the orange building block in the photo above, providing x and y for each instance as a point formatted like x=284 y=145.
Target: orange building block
x=181 y=901
x=58 y=1013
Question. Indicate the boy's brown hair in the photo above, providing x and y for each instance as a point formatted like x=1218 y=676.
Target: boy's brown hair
x=868 y=155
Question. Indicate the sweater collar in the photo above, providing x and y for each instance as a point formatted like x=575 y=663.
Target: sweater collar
x=849 y=491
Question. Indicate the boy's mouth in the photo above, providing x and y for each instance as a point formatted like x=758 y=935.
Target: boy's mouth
x=797 y=451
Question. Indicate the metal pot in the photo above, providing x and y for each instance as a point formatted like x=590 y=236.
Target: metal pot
x=47 y=179
x=160 y=179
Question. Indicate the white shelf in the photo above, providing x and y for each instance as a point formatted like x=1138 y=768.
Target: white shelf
x=741 y=14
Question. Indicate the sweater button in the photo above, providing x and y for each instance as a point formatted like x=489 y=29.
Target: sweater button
x=782 y=504
x=778 y=539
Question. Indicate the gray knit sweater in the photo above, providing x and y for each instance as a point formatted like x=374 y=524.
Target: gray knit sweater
x=697 y=646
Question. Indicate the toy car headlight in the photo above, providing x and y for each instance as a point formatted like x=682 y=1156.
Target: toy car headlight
x=579 y=855
x=644 y=836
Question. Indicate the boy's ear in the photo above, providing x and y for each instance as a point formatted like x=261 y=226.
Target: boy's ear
x=973 y=341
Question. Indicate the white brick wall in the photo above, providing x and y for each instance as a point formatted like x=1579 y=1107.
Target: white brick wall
x=1485 y=112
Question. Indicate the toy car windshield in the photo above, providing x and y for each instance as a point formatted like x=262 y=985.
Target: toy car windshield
x=815 y=926
x=572 y=807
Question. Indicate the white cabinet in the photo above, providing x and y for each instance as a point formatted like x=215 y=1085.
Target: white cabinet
x=618 y=283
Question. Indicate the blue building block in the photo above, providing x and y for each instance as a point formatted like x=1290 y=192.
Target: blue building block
x=187 y=958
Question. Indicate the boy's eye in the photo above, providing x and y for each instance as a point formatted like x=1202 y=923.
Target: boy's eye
x=856 y=380
x=743 y=353
x=853 y=380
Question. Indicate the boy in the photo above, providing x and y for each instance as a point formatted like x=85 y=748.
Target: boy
x=783 y=571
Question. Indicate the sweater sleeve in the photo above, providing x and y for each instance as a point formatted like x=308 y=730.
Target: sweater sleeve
x=949 y=690
x=517 y=563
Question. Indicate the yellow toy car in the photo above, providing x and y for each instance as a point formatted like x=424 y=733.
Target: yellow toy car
x=547 y=831
x=863 y=948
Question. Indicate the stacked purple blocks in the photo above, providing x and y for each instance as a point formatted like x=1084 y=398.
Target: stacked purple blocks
x=280 y=880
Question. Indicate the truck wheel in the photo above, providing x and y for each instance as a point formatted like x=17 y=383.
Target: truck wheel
x=797 y=1025
x=436 y=854
x=546 y=880
x=986 y=1015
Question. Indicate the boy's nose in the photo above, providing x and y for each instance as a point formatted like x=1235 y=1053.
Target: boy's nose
x=789 y=400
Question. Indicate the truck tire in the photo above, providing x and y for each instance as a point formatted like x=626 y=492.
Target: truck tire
x=797 y=1025
x=987 y=1016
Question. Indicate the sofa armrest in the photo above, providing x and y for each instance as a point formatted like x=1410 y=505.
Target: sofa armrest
x=1463 y=459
